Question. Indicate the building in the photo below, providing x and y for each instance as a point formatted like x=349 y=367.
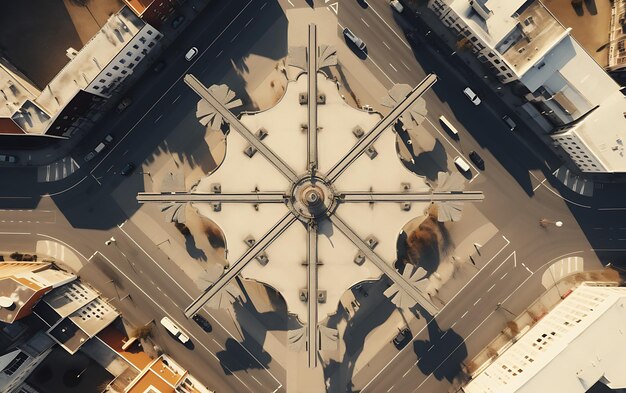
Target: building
x=91 y=77
x=567 y=92
x=578 y=343
x=74 y=313
x=17 y=364
x=24 y=284
x=164 y=375
x=617 y=37
x=154 y=12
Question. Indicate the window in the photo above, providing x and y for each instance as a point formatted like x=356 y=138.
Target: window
x=96 y=87
x=496 y=61
x=136 y=46
x=473 y=39
x=123 y=61
x=116 y=67
x=109 y=74
x=503 y=68
x=490 y=54
x=509 y=75
x=131 y=65
x=124 y=72
x=129 y=53
x=150 y=45
x=149 y=32
x=17 y=362
x=101 y=81
x=137 y=58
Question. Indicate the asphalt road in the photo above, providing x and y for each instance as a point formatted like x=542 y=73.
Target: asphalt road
x=81 y=211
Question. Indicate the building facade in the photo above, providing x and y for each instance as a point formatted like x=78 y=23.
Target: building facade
x=569 y=95
x=578 y=343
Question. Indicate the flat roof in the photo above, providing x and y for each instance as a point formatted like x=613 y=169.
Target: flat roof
x=19 y=293
x=69 y=298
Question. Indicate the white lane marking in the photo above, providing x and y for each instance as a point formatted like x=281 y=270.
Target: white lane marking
x=92 y=255
x=539 y=185
x=407 y=371
x=365 y=22
x=218 y=344
x=166 y=313
x=392 y=30
x=476 y=302
x=431 y=347
x=176 y=99
x=504 y=275
x=158 y=118
x=526 y=267
x=503 y=262
x=389 y=390
x=491 y=287
x=453 y=325
x=192 y=298
x=168 y=90
x=444 y=334
x=405 y=66
x=440 y=311
x=373 y=62
x=250 y=21
x=384 y=43
x=612 y=208
x=291 y=3
x=263 y=6
x=464 y=314
x=14 y=233
x=257 y=381
x=218 y=55
x=111 y=167
x=394 y=68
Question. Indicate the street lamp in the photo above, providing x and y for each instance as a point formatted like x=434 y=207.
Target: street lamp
x=500 y=306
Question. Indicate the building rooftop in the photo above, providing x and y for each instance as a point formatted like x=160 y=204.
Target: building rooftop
x=34 y=117
x=138 y=6
x=577 y=344
x=15 y=89
x=165 y=376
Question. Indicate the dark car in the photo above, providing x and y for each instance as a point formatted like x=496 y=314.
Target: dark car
x=158 y=67
x=178 y=21
x=203 y=323
x=402 y=338
x=477 y=159
x=128 y=169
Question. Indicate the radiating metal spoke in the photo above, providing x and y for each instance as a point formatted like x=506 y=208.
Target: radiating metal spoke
x=238 y=126
x=241 y=263
x=312 y=336
x=426 y=196
x=386 y=268
x=252 y=197
x=312 y=100
x=361 y=146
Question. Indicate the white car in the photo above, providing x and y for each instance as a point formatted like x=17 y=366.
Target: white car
x=174 y=329
x=356 y=40
x=472 y=96
x=191 y=53
x=396 y=5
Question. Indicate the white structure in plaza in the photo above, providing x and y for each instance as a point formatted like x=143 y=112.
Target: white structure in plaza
x=311 y=195
x=578 y=343
x=569 y=93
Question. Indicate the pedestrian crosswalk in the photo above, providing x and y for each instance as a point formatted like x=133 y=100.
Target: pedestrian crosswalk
x=560 y=269
x=57 y=170
x=574 y=182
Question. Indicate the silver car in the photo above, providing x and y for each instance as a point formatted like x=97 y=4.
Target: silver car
x=356 y=40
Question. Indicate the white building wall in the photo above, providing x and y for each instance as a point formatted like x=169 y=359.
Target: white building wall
x=584 y=158
x=125 y=62
x=577 y=344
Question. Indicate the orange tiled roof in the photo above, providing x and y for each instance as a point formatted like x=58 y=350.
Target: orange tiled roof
x=114 y=338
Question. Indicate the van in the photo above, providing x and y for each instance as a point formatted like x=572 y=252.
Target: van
x=449 y=126
x=461 y=164
x=174 y=330
x=100 y=147
x=509 y=122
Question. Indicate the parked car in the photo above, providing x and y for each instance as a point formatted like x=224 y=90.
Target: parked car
x=462 y=164
x=174 y=330
x=355 y=40
x=403 y=337
x=191 y=53
x=8 y=158
x=178 y=21
x=128 y=169
x=158 y=67
x=509 y=122
x=396 y=5
x=202 y=322
x=125 y=103
x=472 y=96
x=477 y=159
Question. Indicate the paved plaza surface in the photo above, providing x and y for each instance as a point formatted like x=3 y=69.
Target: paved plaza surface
x=497 y=253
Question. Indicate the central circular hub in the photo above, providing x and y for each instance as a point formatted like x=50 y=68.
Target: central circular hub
x=311 y=198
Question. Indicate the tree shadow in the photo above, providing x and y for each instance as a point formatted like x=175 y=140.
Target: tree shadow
x=442 y=354
x=338 y=375
x=591 y=7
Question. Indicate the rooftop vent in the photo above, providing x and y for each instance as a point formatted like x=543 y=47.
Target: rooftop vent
x=5 y=302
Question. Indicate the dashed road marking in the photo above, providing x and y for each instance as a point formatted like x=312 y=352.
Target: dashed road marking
x=365 y=22
x=394 y=68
